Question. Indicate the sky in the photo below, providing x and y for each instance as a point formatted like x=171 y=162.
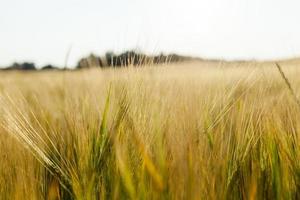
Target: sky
x=44 y=31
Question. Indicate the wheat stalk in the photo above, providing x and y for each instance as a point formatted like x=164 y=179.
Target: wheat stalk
x=288 y=84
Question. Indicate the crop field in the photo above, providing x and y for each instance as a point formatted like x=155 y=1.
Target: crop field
x=195 y=130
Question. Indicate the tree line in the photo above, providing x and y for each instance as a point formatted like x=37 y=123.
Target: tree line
x=110 y=59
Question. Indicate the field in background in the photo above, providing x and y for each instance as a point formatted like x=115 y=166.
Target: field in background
x=203 y=130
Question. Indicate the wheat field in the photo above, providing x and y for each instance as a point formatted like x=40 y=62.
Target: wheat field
x=200 y=130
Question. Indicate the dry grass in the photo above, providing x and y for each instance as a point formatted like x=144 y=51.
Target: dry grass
x=194 y=131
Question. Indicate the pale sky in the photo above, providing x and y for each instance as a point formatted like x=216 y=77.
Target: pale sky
x=42 y=31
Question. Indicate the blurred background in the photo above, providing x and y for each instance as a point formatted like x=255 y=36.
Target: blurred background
x=44 y=31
